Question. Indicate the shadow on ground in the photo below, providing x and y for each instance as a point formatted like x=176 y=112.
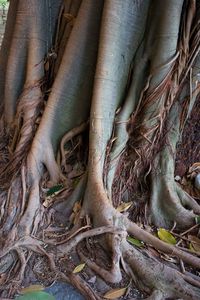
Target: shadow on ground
x=64 y=291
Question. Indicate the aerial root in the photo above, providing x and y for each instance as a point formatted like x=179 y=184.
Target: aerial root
x=28 y=111
x=188 y=201
x=65 y=237
x=141 y=234
x=30 y=244
x=66 y=138
x=53 y=168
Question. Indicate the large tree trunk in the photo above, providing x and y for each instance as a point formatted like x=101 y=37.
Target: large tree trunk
x=94 y=98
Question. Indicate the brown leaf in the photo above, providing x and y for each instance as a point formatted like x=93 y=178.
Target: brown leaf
x=194 y=167
x=115 y=293
x=77 y=207
x=195 y=243
x=68 y=16
x=74 y=218
x=193 y=170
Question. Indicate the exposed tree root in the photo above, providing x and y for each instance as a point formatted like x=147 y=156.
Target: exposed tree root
x=112 y=276
x=169 y=204
x=81 y=285
x=150 y=273
x=109 y=215
x=129 y=255
x=97 y=76
x=156 y=276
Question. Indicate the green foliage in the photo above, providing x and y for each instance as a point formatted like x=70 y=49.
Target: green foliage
x=166 y=236
x=135 y=242
x=36 y=295
x=54 y=189
x=197 y=219
x=3 y=3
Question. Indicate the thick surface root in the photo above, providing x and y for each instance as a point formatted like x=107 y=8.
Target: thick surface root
x=99 y=57
x=141 y=267
x=169 y=204
x=165 y=281
x=153 y=276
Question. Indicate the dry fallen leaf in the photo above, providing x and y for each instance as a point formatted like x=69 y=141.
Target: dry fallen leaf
x=168 y=258
x=124 y=206
x=79 y=268
x=194 y=167
x=115 y=293
x=69 y=17
x=77 y=207
x=32 y=288
x=74 y=218
x=195 y=243
x=191 y=247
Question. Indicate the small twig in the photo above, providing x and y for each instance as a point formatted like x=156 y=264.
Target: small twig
x=68 y=136
x=71 y=236
x=189 y=251
x=190 y=229
x=179 y=242
x=182 y=266
x=81 y=285
x=23 y=189
x=174 y=226
x=180 y=236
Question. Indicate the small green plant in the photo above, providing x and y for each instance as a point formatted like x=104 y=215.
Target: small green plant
x=36 y=295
